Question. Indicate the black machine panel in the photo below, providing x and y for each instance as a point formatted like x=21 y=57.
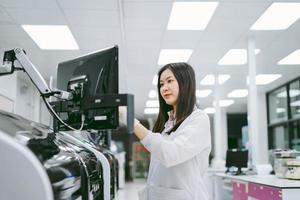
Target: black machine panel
x=74 y=171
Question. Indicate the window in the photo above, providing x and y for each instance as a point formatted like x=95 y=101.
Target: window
x=280 y=137
x=295 y=132
x=294 y=93
x=284 y=116
x=278 y=105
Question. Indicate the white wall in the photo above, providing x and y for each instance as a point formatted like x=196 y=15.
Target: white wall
x=29 y=103
x=8 y=86
x=26 y=99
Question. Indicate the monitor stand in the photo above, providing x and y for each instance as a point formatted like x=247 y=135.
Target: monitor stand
x=234 y=172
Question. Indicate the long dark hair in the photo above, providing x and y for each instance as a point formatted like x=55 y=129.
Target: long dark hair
x=185 y=77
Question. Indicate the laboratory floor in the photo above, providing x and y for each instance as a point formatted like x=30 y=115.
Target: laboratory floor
x=130 y=190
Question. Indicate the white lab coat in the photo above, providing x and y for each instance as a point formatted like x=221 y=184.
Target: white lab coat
x=179 y=160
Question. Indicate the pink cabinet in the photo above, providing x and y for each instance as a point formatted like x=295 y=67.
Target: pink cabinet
x=262 y=192
x=257 y=188
x=272 y=193
x=256 y=191
x=240 y=190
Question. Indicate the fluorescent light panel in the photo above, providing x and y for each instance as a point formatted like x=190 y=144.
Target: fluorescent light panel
x=279 y=16
x=264 y=79
x=191 y=15
x=223 y=78
x=174 y=55
x=51 y=37
x=155 y=79
x=150 y=111
x=152 y=94
x=210 y=79
x=235 y=57
x=152 y=103
x=203 y=93
x=209 y=110
x=238 y=93
x=224 y=102
x=291 y=59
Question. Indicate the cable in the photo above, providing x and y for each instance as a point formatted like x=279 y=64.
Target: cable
x=60 y=120
x=82 y=121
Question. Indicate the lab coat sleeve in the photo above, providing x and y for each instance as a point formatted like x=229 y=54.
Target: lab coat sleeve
x=192 y=138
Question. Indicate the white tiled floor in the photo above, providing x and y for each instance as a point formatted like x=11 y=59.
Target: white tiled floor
x=129 y=192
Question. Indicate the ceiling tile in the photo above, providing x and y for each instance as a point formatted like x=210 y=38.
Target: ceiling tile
x=89 y=4
x=37 y=16
x=95 y=18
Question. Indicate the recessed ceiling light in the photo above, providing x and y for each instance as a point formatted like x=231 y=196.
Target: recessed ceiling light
x=191 y=15
x=278 y=16
x=224 y=102
x=264 y=79
x=223 y=78
x=152 y=103
x=152 y=94
x=238 y=93
x=155 y=79
x=202 y=93
x=210 y=79
x=209 y=110
x=174 y=55
x=235 y=57
x=291 y=59
x=51 y=37
x=151 y=110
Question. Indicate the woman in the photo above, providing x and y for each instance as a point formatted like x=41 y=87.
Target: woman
x=180 y=142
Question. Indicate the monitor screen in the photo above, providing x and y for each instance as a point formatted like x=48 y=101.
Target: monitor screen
x=237 y=158
x=98 y=74
x=100 y=68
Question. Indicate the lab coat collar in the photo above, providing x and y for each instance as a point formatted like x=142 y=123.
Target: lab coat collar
x=171 y=115
x=172 y=120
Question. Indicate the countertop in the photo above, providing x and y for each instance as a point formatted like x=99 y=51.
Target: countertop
x=269 y=180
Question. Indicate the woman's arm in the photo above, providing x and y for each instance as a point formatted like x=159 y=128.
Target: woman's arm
x=191 y=139
x=139 y=130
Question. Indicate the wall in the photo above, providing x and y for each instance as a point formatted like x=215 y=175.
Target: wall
x=26 y=99
x=8 y=86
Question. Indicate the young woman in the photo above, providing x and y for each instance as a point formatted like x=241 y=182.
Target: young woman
x=180 y=142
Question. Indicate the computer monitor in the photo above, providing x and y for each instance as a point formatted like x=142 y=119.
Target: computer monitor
x=97 y=74
x=237 y=158
x=100 y=67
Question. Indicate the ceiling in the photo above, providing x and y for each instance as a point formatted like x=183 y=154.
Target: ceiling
x=139 y=27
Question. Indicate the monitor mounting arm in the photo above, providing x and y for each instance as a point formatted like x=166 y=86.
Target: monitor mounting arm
x=27 y=66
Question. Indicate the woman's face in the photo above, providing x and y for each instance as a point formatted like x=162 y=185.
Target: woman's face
x=169 y=88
